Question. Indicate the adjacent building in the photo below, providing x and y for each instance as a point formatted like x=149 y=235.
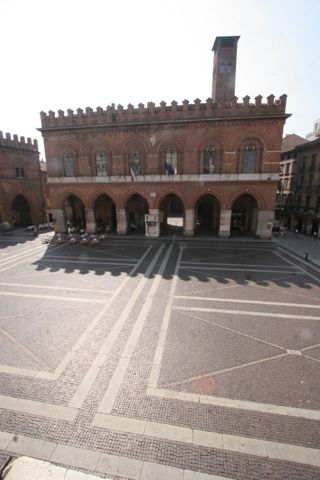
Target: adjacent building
x=21 y=182
x=203 y=166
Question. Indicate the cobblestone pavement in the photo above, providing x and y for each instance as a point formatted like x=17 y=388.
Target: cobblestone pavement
x=160 y=359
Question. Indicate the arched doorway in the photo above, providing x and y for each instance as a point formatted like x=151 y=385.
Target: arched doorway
x=105 y=214
x=136 y=209
x=207 y=215
x=244 y=217
x=21 y=211
x=171 y=215
x=73 y=209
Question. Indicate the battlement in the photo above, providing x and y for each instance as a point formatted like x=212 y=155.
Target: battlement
x=15 y=142
x=151 y=113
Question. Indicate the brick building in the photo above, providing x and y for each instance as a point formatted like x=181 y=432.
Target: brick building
x=298 y=201
x=21 y=182
x=210 y=167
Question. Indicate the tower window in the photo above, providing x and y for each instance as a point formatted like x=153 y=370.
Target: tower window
x=19 y=172
x=222 y=67
x=229 y=67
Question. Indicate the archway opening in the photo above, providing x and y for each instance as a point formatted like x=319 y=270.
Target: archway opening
x=21 y=212
x=136 y=209
x=171 y=215
x=207 y=215
x=73 y=209
x=244 y=217
x=105 y=214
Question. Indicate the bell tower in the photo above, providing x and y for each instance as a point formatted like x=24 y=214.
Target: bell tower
x=224 y=68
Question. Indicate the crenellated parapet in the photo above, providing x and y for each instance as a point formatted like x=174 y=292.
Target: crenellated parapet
x=21 y=143
x=174 y=112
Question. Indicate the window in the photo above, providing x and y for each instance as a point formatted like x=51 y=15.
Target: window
x=171 y=161
x=101 y=164
x=299 y=201
x=19 y=172
x=249 y=159
x=287 y=168
x=310 y=180
x=301 y=180
x=209 y=160
x=68 y=165
x=313 y=162
x=307 y=201
x=134 y=161
x=229 y=67
x=222 y=67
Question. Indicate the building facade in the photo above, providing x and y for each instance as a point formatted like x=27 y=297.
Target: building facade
x=210 y=167
x=21 y=183
x=298 y=205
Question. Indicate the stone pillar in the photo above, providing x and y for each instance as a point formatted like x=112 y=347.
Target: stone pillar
x=265 y=223
x=122 y=223
x=153 y=230
x=90 y=220
x=58 y=220
x=225 y=221
x=188 y=227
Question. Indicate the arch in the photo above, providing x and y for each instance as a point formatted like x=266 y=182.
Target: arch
x=253 y=148
x=138 y=145
x=129 y=194
x=136 y=209
x=258 y=198
x=205 y=142
x=104 y=209
x=99 y=148
x=174 y=144
x=97 y=194
x=67 y=194
x=20 y=208
x=207 y=214
x=244 y=215
x=171 y=214
x=73 y=210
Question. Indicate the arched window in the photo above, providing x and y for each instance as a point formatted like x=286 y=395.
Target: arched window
x=209 y=160
x=171 y=161
x=101 y=164
x=134 y=161
x=19 y=172
x=68 y=165
x=249 y=160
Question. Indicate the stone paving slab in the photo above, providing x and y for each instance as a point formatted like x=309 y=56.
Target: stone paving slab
x=114 y=373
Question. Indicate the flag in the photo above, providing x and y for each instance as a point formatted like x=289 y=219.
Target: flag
x=168 y=168
x=133 y=175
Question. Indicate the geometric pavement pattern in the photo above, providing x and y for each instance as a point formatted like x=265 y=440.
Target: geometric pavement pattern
x=141 y=358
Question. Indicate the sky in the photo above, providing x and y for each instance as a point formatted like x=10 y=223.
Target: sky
x=74 y=53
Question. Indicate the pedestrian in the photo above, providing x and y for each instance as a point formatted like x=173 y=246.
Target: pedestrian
x=297 y=231
x=315 y=236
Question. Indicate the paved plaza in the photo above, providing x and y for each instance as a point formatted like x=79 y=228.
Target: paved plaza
x=160 y=359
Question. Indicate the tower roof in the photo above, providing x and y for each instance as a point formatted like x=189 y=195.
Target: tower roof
x=225 y=42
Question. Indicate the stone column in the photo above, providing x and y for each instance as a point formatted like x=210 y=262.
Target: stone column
x=58 y=220
x=225 y=221
x=122 y=223
x=265 y=223
x=154 y=230
x=188 y=227
x=90 y=220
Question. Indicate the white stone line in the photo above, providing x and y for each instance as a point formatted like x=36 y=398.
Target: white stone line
x=100 y=259
x=89 y=378
x=34 y=407
x=51 y=297
x=82 y=262
x=157 y=359
x=254 y=302
x=68 y=357
x=239 y=404
x=114 y=386
x=185 y=263
x=50 y=287
x=244 y=269
x=24 y=350
x=243 y=312
x=28 y=257
x=300 y=260
x=317 y=279
x=93 y=460
x=11 y=257
x=233 y=443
